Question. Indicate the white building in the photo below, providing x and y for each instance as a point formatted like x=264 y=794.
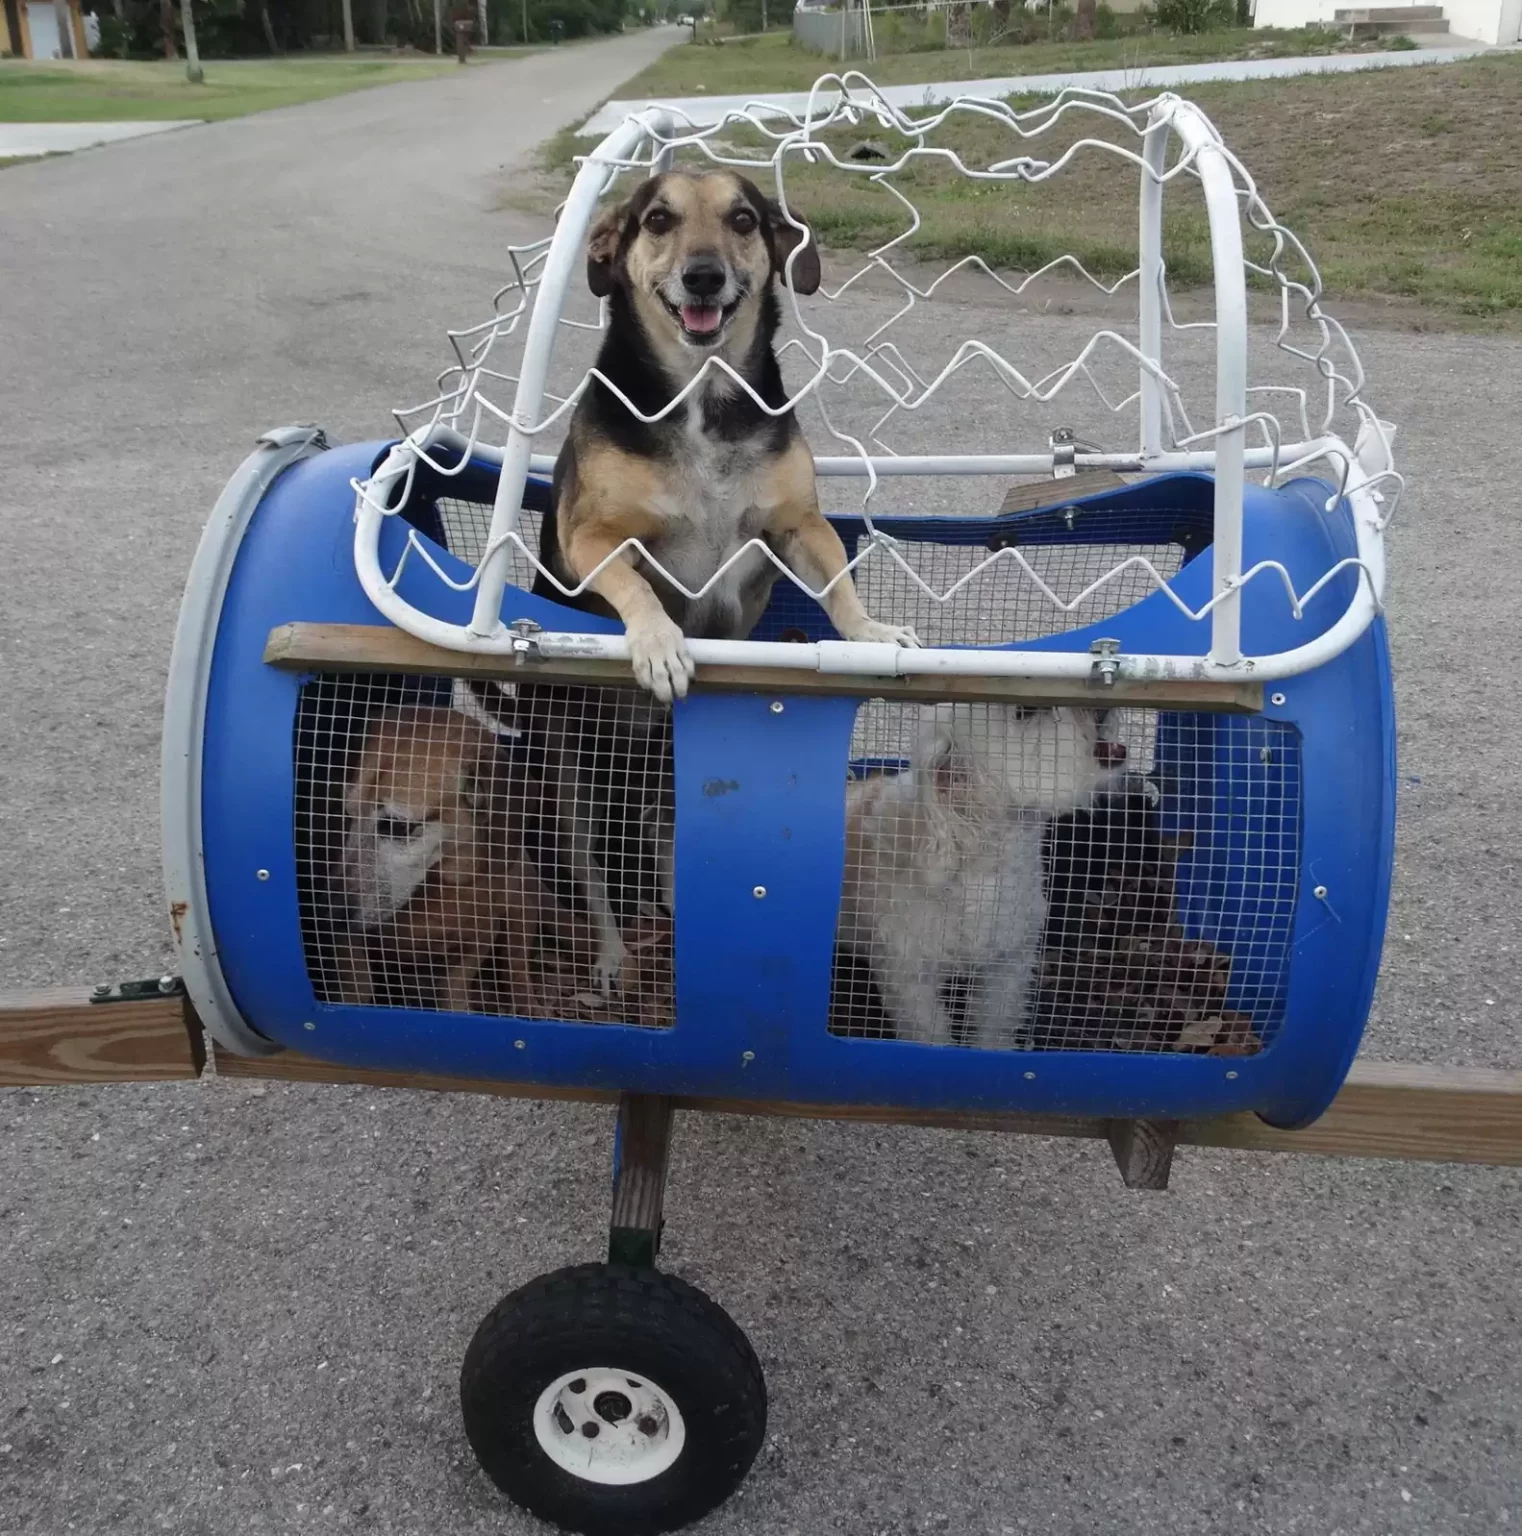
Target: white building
x=1482 y=21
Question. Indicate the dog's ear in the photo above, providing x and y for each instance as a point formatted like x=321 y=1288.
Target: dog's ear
x=948 y=768
x=786 y=239
x=603 y=243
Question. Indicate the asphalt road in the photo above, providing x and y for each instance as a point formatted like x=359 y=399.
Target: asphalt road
x=231 y=1309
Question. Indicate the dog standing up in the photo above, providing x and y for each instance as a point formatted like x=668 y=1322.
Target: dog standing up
x=431 y=867
x=943 y=878
x=689 y=266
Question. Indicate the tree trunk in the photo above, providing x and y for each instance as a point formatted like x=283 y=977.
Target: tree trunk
x=1083 y=20
x=166 y=25
x=348 y=26
x=481 y=13
x=192 y=53
x=269 y=27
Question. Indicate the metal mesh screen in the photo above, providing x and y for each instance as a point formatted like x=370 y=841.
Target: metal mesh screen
x=1061 y=880
x=491 y=850
x=1071 y=879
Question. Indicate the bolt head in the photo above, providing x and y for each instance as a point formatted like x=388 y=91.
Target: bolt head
x=1319 y=893
x=261 y=874
x=759 y=892
x=102 y=989
x=776 y=706
x=167 y=983
x=309 y=1025
x=1276 y=699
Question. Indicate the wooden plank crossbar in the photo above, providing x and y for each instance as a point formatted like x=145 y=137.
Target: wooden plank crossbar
x=1386 y=1109
x=383 y=648
x=1393 y=1110
x=60 y=1036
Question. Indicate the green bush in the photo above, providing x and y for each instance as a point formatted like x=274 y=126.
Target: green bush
x=1191 y=16
x=115 y=38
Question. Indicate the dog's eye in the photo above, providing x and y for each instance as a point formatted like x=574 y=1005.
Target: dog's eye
x=742 y=221
x=658 y=221
x=396 y=829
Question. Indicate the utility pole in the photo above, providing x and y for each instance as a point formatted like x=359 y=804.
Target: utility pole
x=438 y=29
x=525 y=20
x=348 y=26
x=192 y=53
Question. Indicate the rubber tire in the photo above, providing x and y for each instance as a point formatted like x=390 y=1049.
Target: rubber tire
x=636 y=1320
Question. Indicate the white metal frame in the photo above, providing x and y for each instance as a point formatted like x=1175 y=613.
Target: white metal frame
x=650 y=140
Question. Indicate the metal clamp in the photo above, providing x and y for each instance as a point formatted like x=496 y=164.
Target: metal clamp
x=525 y=634
x=137 y=991
x=1106 y=654
x=1064 y=446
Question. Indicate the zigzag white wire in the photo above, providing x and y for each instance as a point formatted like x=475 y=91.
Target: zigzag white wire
x=461 y=411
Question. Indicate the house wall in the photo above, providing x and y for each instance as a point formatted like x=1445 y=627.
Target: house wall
x=1483 y=21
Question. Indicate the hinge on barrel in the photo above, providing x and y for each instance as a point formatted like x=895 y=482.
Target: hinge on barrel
x=136 y=991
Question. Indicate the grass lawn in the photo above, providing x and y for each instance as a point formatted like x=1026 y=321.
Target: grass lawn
x=1405 y=185
x=111 y=90
x=776 y=63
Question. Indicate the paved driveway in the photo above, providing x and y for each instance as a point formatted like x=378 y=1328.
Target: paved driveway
x=231 y=1309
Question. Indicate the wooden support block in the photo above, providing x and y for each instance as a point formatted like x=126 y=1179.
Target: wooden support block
x=57 y=1037
x=1143 y=1150
x=1059 y=493
x=382 y=648
x=1386 y=1109
x=639 y=1181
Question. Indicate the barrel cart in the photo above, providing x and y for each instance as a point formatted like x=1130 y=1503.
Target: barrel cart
x=367 y=626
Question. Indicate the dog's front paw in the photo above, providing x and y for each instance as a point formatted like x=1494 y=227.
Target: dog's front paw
x=609 y=965
x=884 y=634
x=662 y=662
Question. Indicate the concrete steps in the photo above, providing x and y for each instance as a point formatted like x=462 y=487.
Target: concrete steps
x=1391 y=20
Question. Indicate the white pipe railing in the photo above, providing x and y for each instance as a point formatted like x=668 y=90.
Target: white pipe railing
x=1228 y=458
x=565 y=256
x=1150 y=281
x=1200 y=139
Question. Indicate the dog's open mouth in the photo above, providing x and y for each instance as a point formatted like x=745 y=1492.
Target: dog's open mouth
x=702 y=323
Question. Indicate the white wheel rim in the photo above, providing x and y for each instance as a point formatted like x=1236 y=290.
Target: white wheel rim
x=609 y=1426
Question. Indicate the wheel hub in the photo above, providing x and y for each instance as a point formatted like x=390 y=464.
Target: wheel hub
x=609 y=1426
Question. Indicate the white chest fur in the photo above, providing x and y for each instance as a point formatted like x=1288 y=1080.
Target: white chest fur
x=718 y=498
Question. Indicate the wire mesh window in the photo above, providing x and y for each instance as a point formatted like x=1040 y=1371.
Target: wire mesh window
x=490 y=849
x=1067 y=879
x=1015 y=878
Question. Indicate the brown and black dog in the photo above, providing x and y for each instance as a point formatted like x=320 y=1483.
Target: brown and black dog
x=689 y=265
x=433 y=874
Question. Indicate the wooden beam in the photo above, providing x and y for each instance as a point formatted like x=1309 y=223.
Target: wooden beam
x=1386 y=1109
x=1143 y=1150
x=60 y=1037
x=639 y=1183
x=382 y=648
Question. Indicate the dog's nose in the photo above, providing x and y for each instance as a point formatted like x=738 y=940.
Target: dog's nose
x=1111 y=753
x=703 y=276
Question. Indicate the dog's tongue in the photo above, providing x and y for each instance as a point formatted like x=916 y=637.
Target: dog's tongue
x=699 y=319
